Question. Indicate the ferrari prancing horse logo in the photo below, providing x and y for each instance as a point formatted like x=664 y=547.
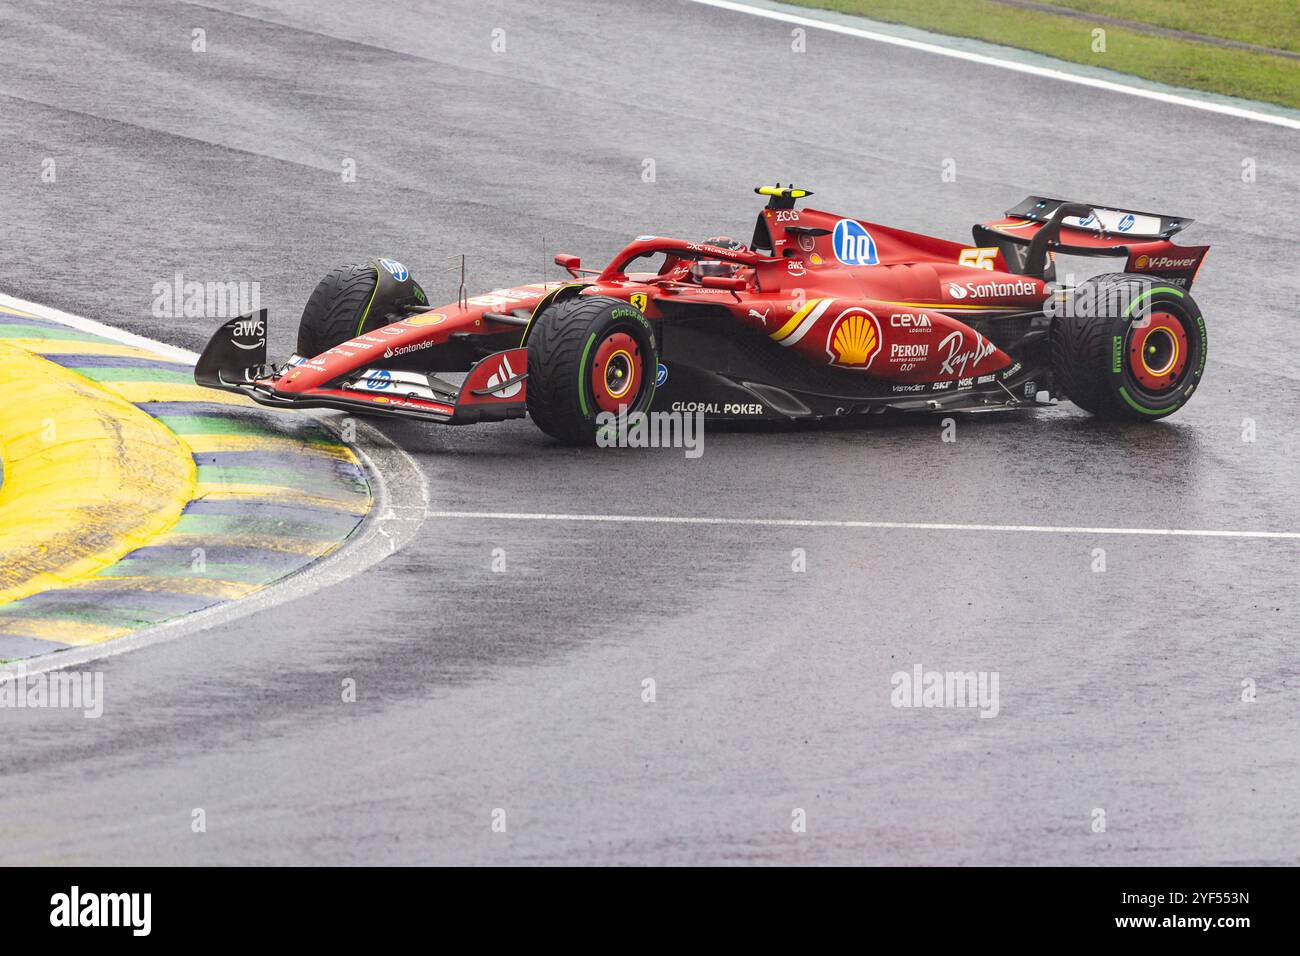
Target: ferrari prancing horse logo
x=639 y=300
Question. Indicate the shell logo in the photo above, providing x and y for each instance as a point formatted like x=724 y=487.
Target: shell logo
x=854 y=339
x=1142 y=262
x=426 y=318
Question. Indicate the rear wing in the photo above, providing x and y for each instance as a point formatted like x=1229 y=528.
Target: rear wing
x=1039 y=228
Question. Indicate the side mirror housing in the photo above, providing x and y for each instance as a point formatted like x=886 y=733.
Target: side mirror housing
x=571 y=263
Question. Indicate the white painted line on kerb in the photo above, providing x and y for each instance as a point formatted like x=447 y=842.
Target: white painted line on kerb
x=82 y=324
x=869 y=525
x=1225 y=108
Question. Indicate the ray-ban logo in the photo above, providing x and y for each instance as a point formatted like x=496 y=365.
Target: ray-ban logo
x=75 y=908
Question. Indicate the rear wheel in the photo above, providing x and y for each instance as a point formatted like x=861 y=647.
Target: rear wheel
x=587 y=356
x=1128 y=347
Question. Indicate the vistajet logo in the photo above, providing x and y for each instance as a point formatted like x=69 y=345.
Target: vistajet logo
x=133 y=910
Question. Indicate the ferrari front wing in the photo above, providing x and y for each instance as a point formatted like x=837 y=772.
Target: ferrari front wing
x=234 y=360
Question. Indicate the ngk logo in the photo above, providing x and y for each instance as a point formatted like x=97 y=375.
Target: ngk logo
x=1163 y=262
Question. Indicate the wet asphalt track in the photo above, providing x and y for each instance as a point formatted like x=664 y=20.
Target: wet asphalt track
x=522 y=690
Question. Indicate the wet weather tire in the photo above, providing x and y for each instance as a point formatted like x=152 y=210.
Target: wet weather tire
x=1128 y=346
x=587 y=356
x=336 y=309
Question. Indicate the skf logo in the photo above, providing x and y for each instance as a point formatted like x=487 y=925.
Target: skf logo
x=854 y=339
x=639 y=300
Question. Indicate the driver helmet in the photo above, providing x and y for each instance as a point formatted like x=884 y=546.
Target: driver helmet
x=718 y=267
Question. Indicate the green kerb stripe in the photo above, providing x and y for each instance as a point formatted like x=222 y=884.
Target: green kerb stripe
x=105 y=374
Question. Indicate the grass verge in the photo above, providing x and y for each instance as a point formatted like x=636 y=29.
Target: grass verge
x=1190 y=63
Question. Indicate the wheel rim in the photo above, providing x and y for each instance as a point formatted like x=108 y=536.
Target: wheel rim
x=616 y=373
x=1158 y=353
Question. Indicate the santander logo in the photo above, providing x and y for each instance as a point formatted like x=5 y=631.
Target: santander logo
x=504 y=373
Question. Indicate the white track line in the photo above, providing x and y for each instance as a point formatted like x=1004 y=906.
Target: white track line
x=395 y=517
x=1198 y=104
x=871 y=525
x=98 y=328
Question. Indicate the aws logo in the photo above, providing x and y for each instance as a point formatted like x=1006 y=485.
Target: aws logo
x=854 y=339
x=248 y=328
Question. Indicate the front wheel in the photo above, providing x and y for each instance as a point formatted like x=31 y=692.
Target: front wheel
x=589 y=356
x=1128 y=347
x=352 y=300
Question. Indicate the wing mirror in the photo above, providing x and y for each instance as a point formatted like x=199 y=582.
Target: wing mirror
x=730 y=283
x=571 y=263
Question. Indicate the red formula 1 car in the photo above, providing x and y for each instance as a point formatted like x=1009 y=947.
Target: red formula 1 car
x=820 y=315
